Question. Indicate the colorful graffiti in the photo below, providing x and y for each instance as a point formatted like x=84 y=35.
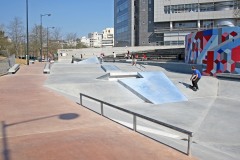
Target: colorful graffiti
x=217 y=49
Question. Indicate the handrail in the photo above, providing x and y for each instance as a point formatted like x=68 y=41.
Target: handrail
x=189 y=133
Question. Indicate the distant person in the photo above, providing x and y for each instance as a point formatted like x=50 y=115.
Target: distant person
x=196 y=76
x=144 y=57
x=134 y=59
x=101 y=57
x=114 y=56
x=72 y=59
x=128 y=55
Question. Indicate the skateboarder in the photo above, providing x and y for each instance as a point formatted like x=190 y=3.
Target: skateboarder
x=196 y=76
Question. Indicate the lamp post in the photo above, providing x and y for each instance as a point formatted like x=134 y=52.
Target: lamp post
x=27 y=31
x=41 y=34
x=47 y=39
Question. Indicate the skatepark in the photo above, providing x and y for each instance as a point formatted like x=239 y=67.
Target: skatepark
x=52 y=124
x=211 y=113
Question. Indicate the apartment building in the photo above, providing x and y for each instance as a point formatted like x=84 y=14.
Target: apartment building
x=98 y=40
x=166 y=22
x=108 y=37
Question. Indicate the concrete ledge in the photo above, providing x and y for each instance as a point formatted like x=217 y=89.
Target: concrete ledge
x=228 y=76
x=179 y=67
x=14 y=69
x=46 y=69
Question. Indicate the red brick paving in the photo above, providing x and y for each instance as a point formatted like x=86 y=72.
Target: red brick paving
x=35 y=131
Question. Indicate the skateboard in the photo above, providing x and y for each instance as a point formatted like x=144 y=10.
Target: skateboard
x=193 y=88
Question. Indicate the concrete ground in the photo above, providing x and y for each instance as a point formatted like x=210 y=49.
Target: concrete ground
x=38 y=123
x=212 y=113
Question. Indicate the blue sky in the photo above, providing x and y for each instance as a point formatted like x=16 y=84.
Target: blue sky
x=71 y=16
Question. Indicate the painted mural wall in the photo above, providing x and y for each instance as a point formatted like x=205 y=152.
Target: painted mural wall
x=217 y=49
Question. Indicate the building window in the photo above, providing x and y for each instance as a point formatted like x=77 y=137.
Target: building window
x=201 y=7
x=205 y=7
x=192 y=24
x=122 y=7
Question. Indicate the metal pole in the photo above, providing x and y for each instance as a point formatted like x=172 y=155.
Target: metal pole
x=81 y=98
x=102 y=108
x=41 y=49
x=27 y=31
x=189 y=145
x=41 y=38
x=47 y=44
x=134 y=123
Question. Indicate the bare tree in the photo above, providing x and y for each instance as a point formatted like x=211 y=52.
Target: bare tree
x=54 y=41
x=4 y=43
x=35 y=44
x=56 y=34
x=16 y=34
x=71 y=39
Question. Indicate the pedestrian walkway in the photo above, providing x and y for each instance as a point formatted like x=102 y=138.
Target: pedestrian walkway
x=39 y=124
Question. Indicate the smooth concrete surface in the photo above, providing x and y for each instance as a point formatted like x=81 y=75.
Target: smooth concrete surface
x=37 y=123
x=212 y=112
x=154 y=87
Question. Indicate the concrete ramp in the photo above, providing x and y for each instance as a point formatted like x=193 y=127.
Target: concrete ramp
x=112 y=76
x=110 y=68
x=92 y=60
x=154 y=87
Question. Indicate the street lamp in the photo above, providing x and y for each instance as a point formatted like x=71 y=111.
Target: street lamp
x=47 y=39
x=27 y=31
x=41 y=34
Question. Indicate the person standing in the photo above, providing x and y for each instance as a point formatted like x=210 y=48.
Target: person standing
x=101 y=58
x=196 y=76
x=114 y=56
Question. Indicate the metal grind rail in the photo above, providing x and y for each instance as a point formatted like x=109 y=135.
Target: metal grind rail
x=135 y=115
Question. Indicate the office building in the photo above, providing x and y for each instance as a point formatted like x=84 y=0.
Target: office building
x=167 y=22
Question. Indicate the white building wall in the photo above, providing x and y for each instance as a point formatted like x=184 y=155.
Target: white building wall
x=95 y=39
x=85 y=41
x=108 y=37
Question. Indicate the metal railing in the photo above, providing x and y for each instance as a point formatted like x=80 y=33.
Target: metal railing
x=135 y=115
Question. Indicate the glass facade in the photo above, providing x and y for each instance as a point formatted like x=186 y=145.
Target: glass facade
x=122 y=23
x=201 y=7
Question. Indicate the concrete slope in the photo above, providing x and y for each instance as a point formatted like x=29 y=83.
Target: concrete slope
x=154 y=87
x=91 y=60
